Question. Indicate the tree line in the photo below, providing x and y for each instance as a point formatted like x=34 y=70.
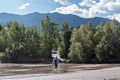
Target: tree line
x=83 y=44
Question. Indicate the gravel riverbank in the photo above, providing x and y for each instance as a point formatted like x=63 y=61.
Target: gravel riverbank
x=75 y=72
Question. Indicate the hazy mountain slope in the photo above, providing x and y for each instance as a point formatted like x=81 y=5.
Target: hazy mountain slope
x=34 y=19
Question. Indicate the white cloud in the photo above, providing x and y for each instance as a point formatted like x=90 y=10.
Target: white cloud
x=113 y=7
x=106 y=1
x=24 y=6
x=71 y=9
x=91 y=8
x=66 y=10
x=87 y=3
x=63 y=2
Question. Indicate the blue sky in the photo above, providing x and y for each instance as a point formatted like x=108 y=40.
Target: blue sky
x=83 y=8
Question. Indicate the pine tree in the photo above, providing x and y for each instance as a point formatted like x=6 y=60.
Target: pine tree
x=107 y=41
x=65 y=34
x=49 y=36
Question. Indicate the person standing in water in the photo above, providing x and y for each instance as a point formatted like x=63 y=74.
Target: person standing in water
x=56 y=62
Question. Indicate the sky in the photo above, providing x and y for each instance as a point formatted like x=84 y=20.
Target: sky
x=83 y=8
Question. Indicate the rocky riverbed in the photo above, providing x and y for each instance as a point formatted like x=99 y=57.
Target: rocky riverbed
x=64 y=72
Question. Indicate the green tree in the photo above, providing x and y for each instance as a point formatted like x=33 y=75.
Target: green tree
x=32 y=42
x=48 y=36
x=65 y=35
x=84 y=35
x=76 y=53
x=107 y=42
x=16 y=36
x=3 y=38
x=24 y=42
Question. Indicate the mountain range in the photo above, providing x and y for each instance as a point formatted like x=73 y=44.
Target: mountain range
x=34 y=19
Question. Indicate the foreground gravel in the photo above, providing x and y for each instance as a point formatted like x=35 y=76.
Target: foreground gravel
x=100 y=74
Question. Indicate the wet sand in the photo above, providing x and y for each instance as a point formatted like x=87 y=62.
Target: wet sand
x=64 y=72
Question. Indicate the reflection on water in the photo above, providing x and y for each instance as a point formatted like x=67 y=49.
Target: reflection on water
x=16 y=69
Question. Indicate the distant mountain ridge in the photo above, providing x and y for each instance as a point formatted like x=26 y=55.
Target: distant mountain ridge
x=34 y=19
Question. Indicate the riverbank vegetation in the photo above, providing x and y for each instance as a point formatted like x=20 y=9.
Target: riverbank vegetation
x=83 y=44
